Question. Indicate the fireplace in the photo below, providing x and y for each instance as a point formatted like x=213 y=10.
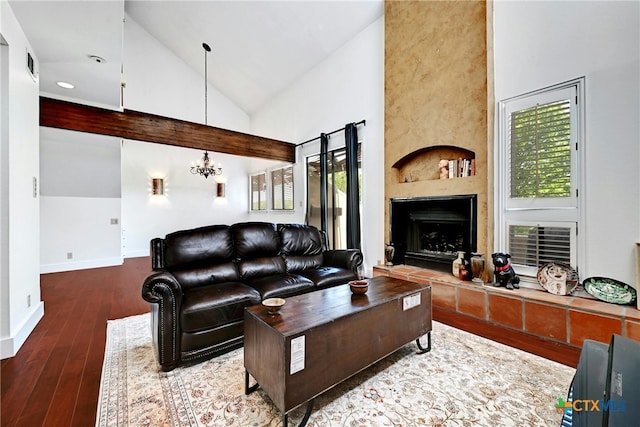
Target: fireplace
x=429 y=231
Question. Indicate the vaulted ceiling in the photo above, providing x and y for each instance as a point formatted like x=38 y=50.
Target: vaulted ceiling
x=259 y=48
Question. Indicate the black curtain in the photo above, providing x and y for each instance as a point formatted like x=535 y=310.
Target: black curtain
x=324 y=215
x=353 y=192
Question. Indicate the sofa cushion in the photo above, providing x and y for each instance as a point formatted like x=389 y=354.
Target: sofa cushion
x=299 y=239
x=325 y=277
x=197 y=247
x=300 y=263
x=215 y=305
x=301 y=247
x=261 y=267
x=207 y=275
x=281 y=285
x=255 y=240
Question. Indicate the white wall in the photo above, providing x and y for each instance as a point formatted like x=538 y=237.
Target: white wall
x=158 y=82
x=20 y=305
x=173 y=89
x=79 y=164
x=188 y=201
x=80 y=196
x=538 y=44
x=346 y=87
x=82 y=227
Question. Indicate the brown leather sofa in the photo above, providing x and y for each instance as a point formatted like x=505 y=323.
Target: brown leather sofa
x=205 y=277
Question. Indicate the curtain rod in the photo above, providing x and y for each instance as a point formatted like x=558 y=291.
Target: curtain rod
x=361 y=122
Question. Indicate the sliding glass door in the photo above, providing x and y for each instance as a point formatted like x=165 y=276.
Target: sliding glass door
x=336 y=195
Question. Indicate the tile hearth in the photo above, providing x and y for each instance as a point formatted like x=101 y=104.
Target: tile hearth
x=564 y=319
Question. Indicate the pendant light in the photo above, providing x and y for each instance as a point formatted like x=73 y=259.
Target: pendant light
x=205 y=167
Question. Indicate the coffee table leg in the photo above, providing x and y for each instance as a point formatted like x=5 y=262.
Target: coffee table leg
x=422 y=349
x=303 y=422
x=248 y=389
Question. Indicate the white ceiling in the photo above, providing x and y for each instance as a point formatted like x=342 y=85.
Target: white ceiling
x=258 y=47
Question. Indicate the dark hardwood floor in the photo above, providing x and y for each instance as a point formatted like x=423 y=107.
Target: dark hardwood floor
x=55 y=377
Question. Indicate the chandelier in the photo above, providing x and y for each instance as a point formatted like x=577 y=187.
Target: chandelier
x=205 y=166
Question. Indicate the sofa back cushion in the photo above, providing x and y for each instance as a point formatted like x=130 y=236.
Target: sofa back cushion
x=206 y=275
x=197 y=248
x=257 y=246
x=301 y=247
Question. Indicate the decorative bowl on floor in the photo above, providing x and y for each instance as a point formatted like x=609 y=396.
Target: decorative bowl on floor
x=273 y=305
x=359 y=286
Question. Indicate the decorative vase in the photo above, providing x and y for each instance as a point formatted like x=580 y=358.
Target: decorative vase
x=455 y=266
x=464 y=272
x=477 y=267
x=389 y=251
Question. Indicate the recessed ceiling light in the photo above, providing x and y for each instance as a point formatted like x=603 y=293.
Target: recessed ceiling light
x=65 y=85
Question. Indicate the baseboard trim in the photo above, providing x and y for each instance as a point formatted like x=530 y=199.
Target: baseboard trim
x=137 y=254
x=9 y=346
x=80 y=265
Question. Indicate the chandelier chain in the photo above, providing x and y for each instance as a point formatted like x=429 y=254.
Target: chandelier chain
x=206 y=86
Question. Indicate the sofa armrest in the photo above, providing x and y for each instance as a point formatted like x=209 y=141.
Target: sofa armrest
x=350 y=259
x=164 y=293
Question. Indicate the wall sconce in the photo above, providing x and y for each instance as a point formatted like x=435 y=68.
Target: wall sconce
x=221 y=189
x=157 y=188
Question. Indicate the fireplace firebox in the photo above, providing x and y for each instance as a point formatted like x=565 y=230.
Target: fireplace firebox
x=429 y=231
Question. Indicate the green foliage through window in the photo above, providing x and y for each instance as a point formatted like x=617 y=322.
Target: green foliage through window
x=541 y=151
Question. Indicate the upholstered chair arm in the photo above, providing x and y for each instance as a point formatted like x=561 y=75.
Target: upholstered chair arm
x=350 y=259
x=164 y=293
x=162 y=287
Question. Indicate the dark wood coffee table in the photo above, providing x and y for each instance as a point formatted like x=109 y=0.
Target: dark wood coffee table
x=321 y=338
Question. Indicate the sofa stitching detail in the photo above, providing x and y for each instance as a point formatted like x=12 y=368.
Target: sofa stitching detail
x=162 y=326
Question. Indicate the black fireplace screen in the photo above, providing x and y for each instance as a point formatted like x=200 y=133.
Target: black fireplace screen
x=429 y=231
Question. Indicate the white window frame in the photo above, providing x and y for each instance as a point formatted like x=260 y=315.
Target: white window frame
x=561 y=212
x=269 y=189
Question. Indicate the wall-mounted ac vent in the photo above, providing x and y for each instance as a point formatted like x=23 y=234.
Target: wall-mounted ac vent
x=31 y=66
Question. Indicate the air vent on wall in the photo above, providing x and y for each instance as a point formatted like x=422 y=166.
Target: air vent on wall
x=31 y=66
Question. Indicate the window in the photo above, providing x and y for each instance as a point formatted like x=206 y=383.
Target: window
x=538 y=184
x=275 y=193
x=282 y=188
x=259 y=192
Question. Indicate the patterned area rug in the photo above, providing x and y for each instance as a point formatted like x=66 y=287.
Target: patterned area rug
x=464 y=381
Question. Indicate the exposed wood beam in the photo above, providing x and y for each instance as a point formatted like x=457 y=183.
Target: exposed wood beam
x=140 y=126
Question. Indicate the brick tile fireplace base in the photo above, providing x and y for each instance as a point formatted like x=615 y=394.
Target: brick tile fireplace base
x=563 y=320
